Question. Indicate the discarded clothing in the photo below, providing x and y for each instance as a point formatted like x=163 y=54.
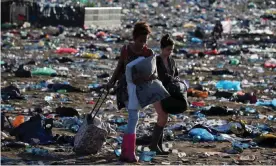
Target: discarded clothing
x=21 y=72
x=11 y=92
x=217 y=110
x=252 y=98
x=222 y=72
x=67 y=112
x=34 y=131
x=220 y=94
x=58 y=86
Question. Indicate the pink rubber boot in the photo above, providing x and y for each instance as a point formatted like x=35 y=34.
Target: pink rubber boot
x=128 y=149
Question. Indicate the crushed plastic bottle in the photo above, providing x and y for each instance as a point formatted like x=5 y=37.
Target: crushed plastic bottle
x=234 y=61
x=75 y=128
x=118 y=152
x=44 y=71
x=6 y=107
x=37 y=151
x=147 y=156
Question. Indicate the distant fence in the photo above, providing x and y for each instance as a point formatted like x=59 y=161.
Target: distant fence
x=54 y=14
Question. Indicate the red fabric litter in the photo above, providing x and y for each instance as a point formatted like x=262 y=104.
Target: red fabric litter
x=194 y=51
x=269 y=64
x=66 y=51
x=91 y=102
x=101 y=34
x=211 y=52
x=198 y=103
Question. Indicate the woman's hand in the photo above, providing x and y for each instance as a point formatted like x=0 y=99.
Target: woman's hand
x=169 y=77
x=141 y=80
x=152 y=77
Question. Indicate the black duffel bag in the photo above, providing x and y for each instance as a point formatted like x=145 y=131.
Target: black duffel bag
x=178 y=102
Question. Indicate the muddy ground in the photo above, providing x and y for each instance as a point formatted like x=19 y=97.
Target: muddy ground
x=196 y=153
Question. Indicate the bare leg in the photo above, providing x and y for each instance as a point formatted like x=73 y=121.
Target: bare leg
x=162 y=118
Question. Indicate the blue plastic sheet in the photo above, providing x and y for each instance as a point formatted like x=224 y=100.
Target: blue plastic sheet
x=229 y=85
x=202 y=133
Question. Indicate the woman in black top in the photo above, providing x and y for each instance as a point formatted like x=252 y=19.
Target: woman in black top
x=166 y=66
x=166 y=69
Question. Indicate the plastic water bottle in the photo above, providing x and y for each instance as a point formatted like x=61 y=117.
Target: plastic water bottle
x=147 y=156
x=175 y=127
x=199 y=115
x=122 y=128
x=120 y=120
x=261 y=116
x=6 y=107
x=234 y=61
x=119 y=139
x=37 y=151
x=62 y=91
x=196 y=40
x=118 y=152
x=220 y=65
x=271 y=117
x=75 y=128
x=57 y=124
x=48 y=98
x=170 y=134
x=250 y=110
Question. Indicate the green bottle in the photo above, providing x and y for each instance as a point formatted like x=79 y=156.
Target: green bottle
x=62 y=91
x=234 y=61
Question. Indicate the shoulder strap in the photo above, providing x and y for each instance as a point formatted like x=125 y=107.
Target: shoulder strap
x=148 y=51
x=151 y=51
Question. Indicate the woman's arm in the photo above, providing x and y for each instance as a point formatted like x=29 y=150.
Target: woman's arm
x=166 y=77
x=163 y=76
x=119 y=69
x=176 y=73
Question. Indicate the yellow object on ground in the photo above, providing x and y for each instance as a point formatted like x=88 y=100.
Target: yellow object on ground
x=189 y=25
x=91 y=55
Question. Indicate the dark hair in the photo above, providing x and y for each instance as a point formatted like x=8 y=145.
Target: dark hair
x=166 y=41
x=141 y=28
